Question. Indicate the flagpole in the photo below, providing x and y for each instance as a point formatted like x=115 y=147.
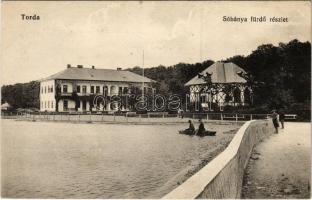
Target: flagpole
x=143 y=75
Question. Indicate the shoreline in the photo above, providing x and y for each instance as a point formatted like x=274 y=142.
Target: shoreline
x=194 y=167
x=142 y=122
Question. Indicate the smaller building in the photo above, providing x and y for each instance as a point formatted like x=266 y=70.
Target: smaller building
x=224 y=87
x=6 y=106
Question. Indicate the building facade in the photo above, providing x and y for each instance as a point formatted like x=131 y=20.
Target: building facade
x=79 y=89
x=225 y=87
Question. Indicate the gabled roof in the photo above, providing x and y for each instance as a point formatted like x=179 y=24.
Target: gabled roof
x=221 y=73
x=74 y=73
x=5 y=105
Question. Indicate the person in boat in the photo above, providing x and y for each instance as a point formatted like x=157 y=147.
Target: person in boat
x=201 y=128
x=191 y=126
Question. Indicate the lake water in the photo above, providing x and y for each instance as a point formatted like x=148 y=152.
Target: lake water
x=64 y=160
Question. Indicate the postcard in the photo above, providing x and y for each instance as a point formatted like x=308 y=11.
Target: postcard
x=156 y=99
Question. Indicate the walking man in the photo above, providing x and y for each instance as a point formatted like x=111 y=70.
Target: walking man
x=282 y=118
x=274 y=120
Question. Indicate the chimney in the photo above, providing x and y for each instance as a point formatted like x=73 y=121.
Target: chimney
x=68 y=66
x=119 y=68
x=93 y=67
x=79 y=66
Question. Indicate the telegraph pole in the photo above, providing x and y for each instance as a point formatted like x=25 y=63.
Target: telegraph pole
x=143 y=75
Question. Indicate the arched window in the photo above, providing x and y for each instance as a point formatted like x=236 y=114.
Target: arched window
x=237 y=95
x=247 y=96
x=105 y=91
x=113 y=90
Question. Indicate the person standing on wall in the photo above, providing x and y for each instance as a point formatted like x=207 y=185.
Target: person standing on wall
x=282 y=118
x=275 y=121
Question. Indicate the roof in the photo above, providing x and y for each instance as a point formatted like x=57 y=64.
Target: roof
x=5 y=106
x=74 y=73
x=221 y=73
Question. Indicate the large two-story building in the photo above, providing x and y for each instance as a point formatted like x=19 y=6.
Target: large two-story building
x=79 y=89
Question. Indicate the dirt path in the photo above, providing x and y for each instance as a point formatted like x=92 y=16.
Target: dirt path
x=280 y=166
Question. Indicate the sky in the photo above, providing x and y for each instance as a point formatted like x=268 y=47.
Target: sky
x=115 y=34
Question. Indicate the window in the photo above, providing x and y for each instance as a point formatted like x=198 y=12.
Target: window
x=51 y=104
x=120 y=90
x=204 y=98
x=42 y=90
x=52 y=88
x=45 y=89
x=97 y=89
x=105 y=90
x=84 y=89
x=45 y=104
x=65 y=88
x=78 y=88
x=237 y=95
x=65 y=105
x=84 y=105
x=41 y=104
x=125 y=91
x=48 y=104
x=247 y=96
x=78 y=104
x=92 y=89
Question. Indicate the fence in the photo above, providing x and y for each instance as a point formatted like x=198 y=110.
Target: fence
x=134 y=117
x=11 y=115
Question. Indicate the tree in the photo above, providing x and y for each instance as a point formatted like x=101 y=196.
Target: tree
x=21 y=95
x=283 y=73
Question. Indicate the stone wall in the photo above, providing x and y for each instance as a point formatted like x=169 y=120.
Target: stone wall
x=223 y=176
